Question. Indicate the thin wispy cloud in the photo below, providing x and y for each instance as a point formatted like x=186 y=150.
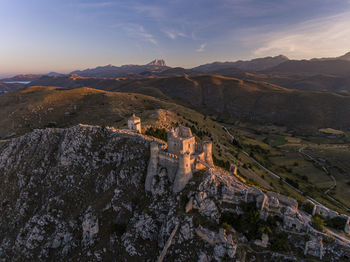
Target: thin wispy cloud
x=201 y=47
x=172 y=34
x=326 y=36
x=137 y=32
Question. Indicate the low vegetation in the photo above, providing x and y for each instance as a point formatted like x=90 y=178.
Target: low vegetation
x=157 y=133
x=318 y=223
x=249 y=223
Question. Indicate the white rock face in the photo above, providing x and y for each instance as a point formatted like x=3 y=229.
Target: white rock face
x=90 y=228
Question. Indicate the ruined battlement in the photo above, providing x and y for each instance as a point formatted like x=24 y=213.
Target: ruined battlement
x=168 y=155
x=180 y=157
x=134 y=124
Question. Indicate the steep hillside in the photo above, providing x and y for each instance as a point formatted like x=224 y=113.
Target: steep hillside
x=230 y=98
x=39 y=107
x=257 y=64
x=78 y=194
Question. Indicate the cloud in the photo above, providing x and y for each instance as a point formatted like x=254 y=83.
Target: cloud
x=138 y=32
x=328 y=36
x=172 y=34
x=201 y=47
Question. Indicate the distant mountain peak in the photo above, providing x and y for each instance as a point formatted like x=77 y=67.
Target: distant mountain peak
x=282 y=56
x=345 y=57
x=157 y=62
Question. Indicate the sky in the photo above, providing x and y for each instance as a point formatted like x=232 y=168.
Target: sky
x=40 y=36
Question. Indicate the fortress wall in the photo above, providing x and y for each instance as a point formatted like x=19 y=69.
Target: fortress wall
x=184 y=172
x=208 y=152
x=174 y=145
x=138 y=127
x=177 y=145
x=197 y=165
x=284 y=200
x=183 y=131
x=189 y=145
x=170 y=162
x=199 y=147
x=152 y=165
x=192 y=162
x=168 y=158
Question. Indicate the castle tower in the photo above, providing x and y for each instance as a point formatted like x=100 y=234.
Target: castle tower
x=184 y=172
x=208 y=152
x=152 y=165
x=181 y=139
x=134 y=123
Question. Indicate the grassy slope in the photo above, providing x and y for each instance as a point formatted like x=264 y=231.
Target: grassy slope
x=229 y=98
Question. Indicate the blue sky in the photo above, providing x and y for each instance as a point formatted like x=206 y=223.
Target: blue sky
x=38 y=36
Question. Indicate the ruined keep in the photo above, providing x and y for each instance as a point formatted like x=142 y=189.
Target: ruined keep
x=134 y=123
x=179 y=158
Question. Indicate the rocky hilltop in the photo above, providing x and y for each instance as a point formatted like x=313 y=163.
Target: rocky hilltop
x=78 y=194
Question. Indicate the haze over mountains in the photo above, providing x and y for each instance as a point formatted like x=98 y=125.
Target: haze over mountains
x=339 y=66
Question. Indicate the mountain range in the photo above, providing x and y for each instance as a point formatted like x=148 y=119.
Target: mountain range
x=124 y=70
x=277 y=65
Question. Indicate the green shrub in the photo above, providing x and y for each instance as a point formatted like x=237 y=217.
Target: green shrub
x=157 y=133
x=318 y=223
x=280 y=242
x=226 y=226
x=307 y=207
x=249 y=223
x=221 y=163
x=328 y=239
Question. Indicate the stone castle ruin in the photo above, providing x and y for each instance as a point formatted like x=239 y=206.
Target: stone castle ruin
x=179 y=158
x=134 y=124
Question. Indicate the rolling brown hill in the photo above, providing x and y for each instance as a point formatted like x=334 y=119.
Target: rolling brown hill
x=39 y=107
x=231 y=99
